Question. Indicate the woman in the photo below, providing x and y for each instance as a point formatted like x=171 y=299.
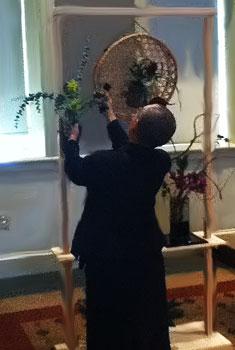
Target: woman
x=118 y=237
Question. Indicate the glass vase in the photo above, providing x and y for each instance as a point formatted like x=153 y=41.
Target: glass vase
x=179 y=221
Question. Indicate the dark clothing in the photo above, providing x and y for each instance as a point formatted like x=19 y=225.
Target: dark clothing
x=126 y=305
x=120 y=241
x=119 y=220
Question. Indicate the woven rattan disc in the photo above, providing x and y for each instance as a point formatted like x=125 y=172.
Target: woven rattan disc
x=115 y=64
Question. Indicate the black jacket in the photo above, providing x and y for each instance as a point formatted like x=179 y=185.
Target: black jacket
x=118 y=221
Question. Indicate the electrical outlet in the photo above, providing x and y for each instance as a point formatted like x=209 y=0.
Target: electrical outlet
x=5 y=222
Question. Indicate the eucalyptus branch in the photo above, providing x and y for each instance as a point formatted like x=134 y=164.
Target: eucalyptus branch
x=36 y=99
x=84 y=60
x=68 y=105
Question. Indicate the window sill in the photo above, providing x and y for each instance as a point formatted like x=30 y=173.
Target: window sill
x=21 y=146
x=51 y=163
x=36 y=164
x=197 y=147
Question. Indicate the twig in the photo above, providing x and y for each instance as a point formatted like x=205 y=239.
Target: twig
x=195 y=137
x=227 y=179
x=141 y=27
x=215 y=184
x=178 y=97
x=207 y=163
x=173 y=144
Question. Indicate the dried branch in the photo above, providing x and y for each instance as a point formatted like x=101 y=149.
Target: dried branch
x=227 y=179
x=215 y=184
x=178 y=97
x=141 y=27
x=195 y=137
x=208 y=163
x=173 y=144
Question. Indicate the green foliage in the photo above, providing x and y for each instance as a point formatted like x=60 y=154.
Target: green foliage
x=69 y=104
x=32 y=98
x=143 y=75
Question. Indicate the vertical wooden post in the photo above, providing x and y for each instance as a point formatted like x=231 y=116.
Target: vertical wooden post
x=141 y=3
x=207 y=148
x=48 y=71
x=67 y=265
x=68 y=305
x=64 y=204
x=210 y=292
x=207 y=144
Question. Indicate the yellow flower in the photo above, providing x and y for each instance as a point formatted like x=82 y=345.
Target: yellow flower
x=72 y=86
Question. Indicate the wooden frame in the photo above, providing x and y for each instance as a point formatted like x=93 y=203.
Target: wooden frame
x=153 y=11
x=149 y=11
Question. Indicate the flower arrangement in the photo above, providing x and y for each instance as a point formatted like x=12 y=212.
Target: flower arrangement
x=143 y=75
x=68 y=105
x=139 y=89
x=182 y=182
x=191 y=182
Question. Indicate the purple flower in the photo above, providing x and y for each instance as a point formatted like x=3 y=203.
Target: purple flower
x=191 y=182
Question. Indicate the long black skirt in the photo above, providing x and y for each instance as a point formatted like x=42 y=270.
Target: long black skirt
x=126 y=305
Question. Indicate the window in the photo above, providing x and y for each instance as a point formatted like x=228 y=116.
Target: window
x=183 y=36
x=20 y=74
x=12 y=86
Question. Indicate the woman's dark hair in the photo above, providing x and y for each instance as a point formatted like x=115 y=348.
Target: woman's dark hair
x=156 y=125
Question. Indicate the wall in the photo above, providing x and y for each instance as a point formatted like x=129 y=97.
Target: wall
x=30 y=196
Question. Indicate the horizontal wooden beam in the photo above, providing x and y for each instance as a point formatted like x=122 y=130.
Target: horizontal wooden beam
x=149 y=11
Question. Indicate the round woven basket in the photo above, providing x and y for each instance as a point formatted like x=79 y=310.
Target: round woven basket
x=115 y=64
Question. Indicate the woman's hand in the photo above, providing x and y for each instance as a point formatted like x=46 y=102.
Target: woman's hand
x=74 y=133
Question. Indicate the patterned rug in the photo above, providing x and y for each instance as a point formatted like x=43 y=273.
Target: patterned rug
x=35 y=321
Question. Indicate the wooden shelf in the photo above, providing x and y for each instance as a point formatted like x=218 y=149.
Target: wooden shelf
x=212 y=242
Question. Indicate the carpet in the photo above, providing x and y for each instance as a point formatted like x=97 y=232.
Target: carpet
x=35 y=321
